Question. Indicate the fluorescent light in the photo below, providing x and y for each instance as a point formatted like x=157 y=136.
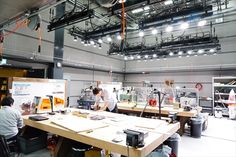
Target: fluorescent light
x=75 y=38
x=202 y=23
x=119 y=37
x=146 y=8
x=212 y=50
x=184 y=25
x=180 y=52
x=146 y=56
x=109 y=39
x=100 y=40
x=200 y=51
x=137 y=10
x=190 y=52
x=131 y=57
x=154 y=55
x=125 y=58
x=168 y=2
x=171 y=53
x=141 y=34
x=154 y=31
x=138 y=56
x=169 y=28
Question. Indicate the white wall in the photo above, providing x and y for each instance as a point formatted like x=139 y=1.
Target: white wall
x=79 y=79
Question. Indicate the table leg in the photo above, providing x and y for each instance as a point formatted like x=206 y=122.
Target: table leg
x=183 y=121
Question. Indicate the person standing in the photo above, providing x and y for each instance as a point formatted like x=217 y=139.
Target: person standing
x=10 y=119
x=110 y=100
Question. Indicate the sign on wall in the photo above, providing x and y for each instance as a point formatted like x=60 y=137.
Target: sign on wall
x=32 y=95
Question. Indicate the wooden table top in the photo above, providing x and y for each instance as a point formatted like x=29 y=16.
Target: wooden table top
x=158 y=131
x=164 y=110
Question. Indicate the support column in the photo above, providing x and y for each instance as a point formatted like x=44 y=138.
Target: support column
x=55 y=70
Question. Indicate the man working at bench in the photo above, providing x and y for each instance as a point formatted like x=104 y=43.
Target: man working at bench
x=110 y=100
x=10 y=119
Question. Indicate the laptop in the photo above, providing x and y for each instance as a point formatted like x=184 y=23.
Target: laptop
x=38 y=118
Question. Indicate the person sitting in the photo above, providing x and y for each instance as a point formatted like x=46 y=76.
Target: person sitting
x=10 y=119
x=110 y=100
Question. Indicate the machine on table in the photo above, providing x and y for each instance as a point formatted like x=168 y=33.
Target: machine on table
x=86 y=99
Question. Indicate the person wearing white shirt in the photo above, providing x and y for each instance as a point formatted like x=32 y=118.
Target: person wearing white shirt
x=10 y=119
x=109 y=99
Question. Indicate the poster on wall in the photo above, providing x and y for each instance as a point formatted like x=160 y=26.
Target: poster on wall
x=33 y=96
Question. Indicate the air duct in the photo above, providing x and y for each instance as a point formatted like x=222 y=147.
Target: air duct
x=107 y=3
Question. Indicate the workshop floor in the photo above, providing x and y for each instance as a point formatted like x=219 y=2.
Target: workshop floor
x=219 y=140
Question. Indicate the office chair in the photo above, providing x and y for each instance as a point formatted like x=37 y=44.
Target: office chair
x=8 y=148
x=4 y=149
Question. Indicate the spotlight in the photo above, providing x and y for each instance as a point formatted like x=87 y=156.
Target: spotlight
x=92 y=42
x=138 y=57
x=125 y=58
x=141 y=33
x=190 y=52
x=202 y=23
x=131 y=57
x=184 y=25
x=168 y=2
x=154 y=31
x=120 y=1
x=171 y=53
x=100 y=40
x=75 y=38
x=169 y=28
x=180 y=53
x=212 y=50
x=119 y=37
x=109 y=39
x=146 y=56
x=154 y=55
x=200 y=51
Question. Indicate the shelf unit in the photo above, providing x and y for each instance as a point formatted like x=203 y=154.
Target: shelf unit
x=3 y=87
x=221 y=86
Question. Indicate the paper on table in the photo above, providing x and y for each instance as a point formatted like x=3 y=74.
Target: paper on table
x=78 y=124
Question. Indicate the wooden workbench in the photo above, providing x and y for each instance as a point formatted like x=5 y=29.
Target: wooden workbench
x=116 y=123
x=183 y=116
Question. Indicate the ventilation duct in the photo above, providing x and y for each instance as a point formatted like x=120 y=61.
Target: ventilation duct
x=107 y=3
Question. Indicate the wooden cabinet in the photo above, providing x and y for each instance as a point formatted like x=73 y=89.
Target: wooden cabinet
x=3 y=87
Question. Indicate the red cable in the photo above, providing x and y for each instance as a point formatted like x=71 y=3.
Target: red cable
x=123 y=19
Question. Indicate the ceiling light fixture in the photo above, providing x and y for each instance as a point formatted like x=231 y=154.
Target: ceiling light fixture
x=82 y=41
x=154 y=55
x=120 y=1
x=171 y=53
x=141 y=33
x=146 y=8
x=187 y=56
x=168 y=2
x=118 y=37
x=154 y=31
x=184 y=25
x=131 y=57
x=146 y=56
x=190 y=52
x=169 y=28
x=202 y=23
x=135 y=11
x=99 y=46
x=125 y=58
x=138 y=57
x=100 y=40
x=180 y=56
x=200 y=51
x=212 y=50
x=180 y=53
x=92 y=42
x=109 y=39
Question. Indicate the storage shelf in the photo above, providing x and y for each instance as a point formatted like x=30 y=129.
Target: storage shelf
x=225 y=86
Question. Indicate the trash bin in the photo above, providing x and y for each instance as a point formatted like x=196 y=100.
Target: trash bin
x=196 y=127
x=79 y=149
x=173 y=143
